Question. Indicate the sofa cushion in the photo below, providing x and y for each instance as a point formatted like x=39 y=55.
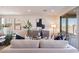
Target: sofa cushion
x=53 y=44
x=1 y=34
x=19 y=37
x=24 y=44
x=20 y=34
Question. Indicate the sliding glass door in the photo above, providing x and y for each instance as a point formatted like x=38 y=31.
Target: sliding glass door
x=63 y=24
x=68 y=26
x=72 y=25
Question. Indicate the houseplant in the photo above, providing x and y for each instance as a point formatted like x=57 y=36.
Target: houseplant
x=28 y=26
x=8 y=38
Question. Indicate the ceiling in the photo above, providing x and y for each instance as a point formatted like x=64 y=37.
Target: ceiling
x=71 y=13
x=35 y=10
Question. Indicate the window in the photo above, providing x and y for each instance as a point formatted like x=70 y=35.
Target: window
x=69 y=25
x=63 y=24
x=2 y=21
x=72 y=25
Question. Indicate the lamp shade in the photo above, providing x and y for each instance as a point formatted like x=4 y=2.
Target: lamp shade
x=53 y=25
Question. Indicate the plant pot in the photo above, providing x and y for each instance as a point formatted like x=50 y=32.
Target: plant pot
x=28 y=33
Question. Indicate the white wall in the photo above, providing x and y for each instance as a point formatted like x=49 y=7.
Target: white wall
x=47 y=20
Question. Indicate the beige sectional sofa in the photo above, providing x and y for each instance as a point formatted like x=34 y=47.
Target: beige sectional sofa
x=39 y=46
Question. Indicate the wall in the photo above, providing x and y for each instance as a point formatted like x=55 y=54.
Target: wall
x=47 y=20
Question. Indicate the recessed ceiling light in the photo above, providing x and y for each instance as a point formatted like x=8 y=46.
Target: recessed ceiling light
x=45 y=10
x=52 y=10
x=28 y=10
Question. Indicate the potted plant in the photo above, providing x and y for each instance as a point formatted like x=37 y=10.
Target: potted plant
x=28 y=26
x=8 y=38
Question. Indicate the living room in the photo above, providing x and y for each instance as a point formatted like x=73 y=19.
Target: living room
x=34 y=23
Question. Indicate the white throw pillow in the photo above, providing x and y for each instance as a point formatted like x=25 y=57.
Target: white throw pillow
x=24 y=44
x=53 y=44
